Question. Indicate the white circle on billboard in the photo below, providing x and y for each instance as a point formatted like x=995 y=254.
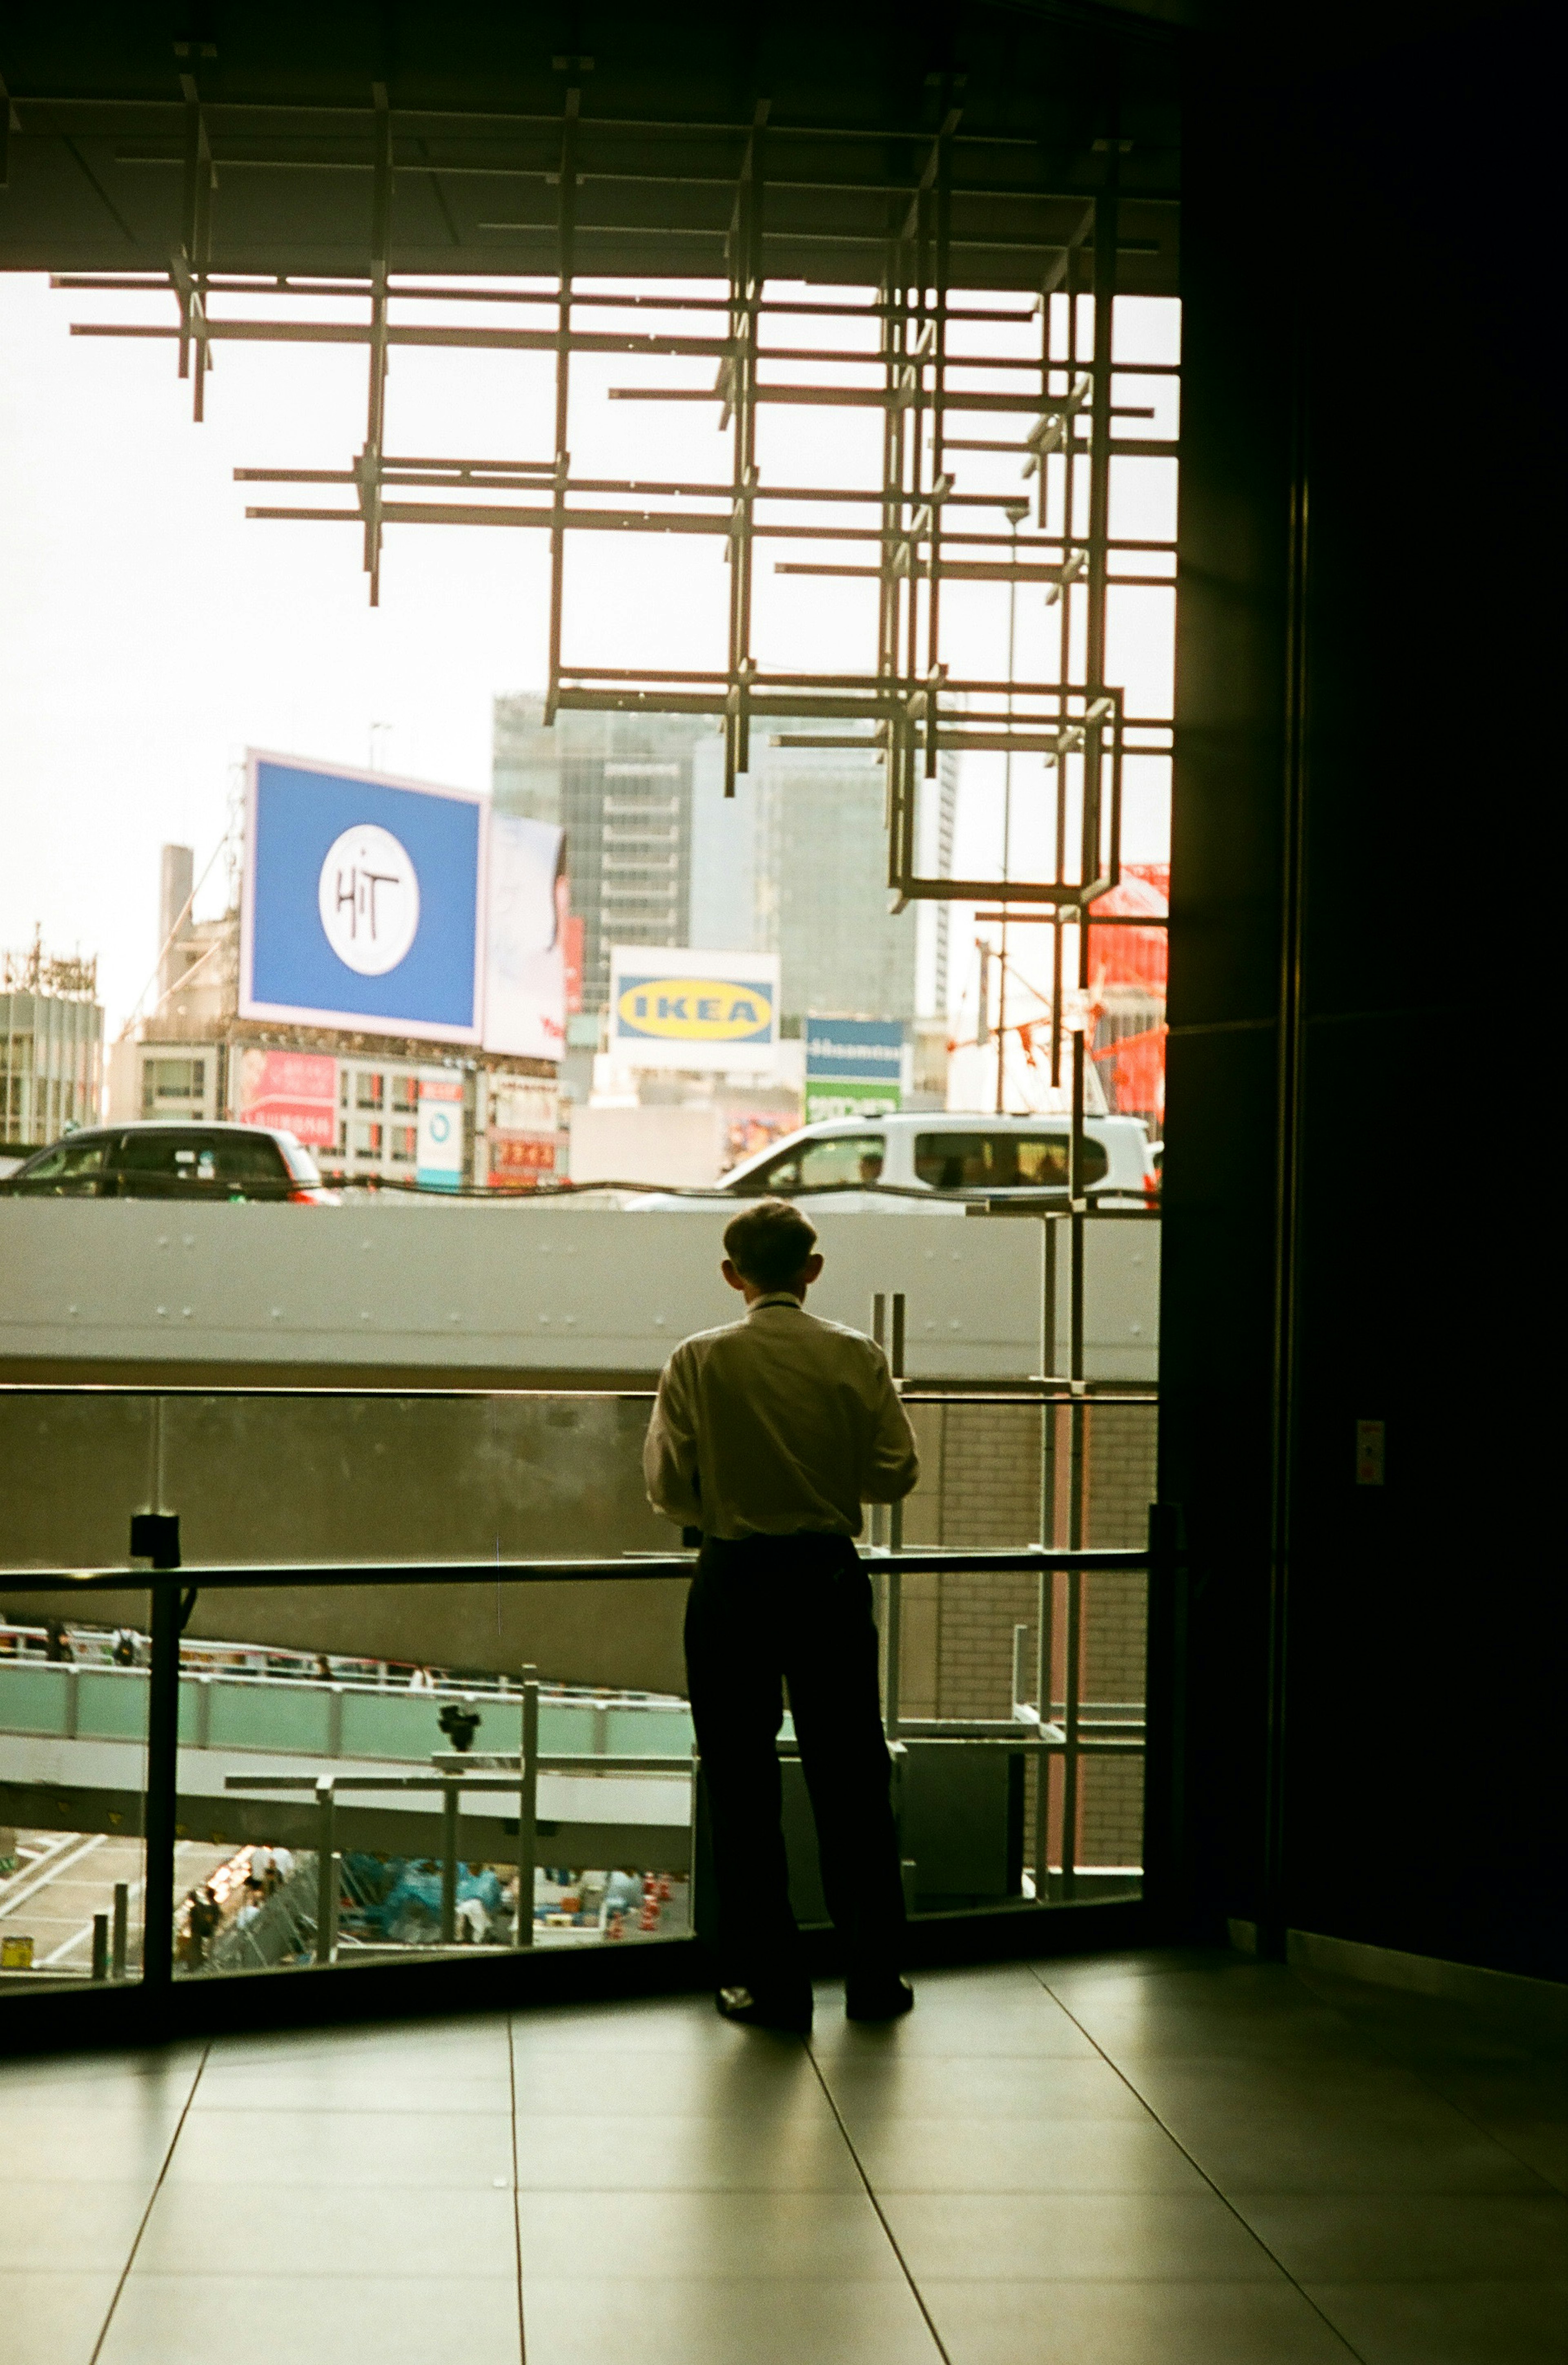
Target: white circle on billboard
x=369 y=900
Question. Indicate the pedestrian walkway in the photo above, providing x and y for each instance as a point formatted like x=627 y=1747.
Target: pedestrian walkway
x=1155 y=2159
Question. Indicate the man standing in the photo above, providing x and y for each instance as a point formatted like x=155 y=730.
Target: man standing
x=769 y=1435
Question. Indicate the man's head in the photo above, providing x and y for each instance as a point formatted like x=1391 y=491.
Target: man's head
x=768 y=1248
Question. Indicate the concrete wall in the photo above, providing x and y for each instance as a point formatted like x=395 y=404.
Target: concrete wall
x=675 y=1144
x=513 y=1293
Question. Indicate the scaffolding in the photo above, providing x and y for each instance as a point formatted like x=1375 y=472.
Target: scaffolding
x=1059 y=412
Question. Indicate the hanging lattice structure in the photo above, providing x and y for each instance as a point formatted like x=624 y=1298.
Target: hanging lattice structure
x=915 y=532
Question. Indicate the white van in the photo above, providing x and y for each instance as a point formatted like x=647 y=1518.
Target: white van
x=896 y=1161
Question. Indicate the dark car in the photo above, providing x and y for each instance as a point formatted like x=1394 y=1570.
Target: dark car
x=168 y=1160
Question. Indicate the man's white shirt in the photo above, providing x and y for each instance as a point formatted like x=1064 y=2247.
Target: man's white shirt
x=776 y=1423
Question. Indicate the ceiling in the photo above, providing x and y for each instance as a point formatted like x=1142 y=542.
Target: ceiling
x=108 y=107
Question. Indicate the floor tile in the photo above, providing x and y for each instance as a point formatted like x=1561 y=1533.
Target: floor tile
x=355 y=2148
x=1450 y=2324
x=1376 y=2238
x=80 y=2224
x=671 y=2321
x=1540 y=2145
x=754 y=2081
x=415 y=2054
x=312 y=2230
x=1012 y=2029
x=603 y=2237
x=58 y=2145
x=53 y=2317
x=1024 y=2156
x=690 y=2025
x=1250 y=2136
x=1204 y=2032
x=1131 y=2324
x=645 y=2154
x=1088 y=2236
x=255 y=2319
x=329 y=2085
x=944 y=2086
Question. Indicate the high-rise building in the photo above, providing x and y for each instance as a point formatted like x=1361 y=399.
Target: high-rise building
x=796 y=863
x=620 y=786
x=52 y=1045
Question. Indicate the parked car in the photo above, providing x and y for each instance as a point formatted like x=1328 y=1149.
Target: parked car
x=165 y=1159
x=1016 y=1157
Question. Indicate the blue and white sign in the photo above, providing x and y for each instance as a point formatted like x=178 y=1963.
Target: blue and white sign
x=364 y=903
x=869 y=1050
x=441 y=1132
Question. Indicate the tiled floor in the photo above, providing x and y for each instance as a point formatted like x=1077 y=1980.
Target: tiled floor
x=1159 y=2160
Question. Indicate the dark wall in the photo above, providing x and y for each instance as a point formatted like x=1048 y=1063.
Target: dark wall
x=1359 y=1024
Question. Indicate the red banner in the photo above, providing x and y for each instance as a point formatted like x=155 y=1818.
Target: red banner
x=519 y=1161
x=296 y=1090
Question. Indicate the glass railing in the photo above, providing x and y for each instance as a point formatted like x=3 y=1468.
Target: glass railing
x=415 y=1693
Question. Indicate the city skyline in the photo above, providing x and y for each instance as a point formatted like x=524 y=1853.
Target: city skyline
x=133 y=684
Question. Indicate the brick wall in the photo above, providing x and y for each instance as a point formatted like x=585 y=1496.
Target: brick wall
x=980 y=1483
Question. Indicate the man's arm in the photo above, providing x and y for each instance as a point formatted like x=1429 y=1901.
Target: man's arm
x=669 y=1451
x=892 y=1465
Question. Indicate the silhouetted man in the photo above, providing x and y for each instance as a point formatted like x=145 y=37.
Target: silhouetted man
x=769 y=1435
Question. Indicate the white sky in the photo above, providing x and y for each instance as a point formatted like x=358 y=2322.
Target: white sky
x=148 y=634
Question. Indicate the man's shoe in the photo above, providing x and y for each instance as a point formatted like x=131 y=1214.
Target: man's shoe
x=877 y=1999
x=792 y=2014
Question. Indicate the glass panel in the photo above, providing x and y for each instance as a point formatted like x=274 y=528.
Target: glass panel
x=354 y=1798
x=971 y=1640
x=73 y=1777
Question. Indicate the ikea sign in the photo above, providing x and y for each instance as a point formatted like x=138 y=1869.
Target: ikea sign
x=693 y=1009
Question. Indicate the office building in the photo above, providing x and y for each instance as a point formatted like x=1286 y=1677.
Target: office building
x=620 y=786
x=795 y=863
x=52 y=1045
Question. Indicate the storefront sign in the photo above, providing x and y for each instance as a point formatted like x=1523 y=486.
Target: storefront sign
x=693 y=1010
x=295 y=1090
x=855 y=1067
x=441 y=1132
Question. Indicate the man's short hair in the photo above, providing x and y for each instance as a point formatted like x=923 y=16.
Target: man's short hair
x=769 y=1243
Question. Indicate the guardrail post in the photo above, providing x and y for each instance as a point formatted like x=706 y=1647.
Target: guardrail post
x=100 y=1946
x=163 y=1767
x=527 y=1809
x=120 y=1938
x=1165 y=1711
x=325 y=1872
x=448 y=1800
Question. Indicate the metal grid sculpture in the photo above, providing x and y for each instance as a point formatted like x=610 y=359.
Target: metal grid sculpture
x=1053 y=412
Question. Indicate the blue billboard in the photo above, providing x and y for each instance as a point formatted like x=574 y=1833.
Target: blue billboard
x=363 y=902
x=867 y=1050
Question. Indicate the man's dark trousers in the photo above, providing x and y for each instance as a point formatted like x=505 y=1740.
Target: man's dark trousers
x=764 y=1612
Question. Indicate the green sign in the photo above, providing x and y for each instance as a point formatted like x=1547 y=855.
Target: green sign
x=829 y=1097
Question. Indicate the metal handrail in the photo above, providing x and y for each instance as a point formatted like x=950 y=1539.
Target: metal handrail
x=1010 y=1560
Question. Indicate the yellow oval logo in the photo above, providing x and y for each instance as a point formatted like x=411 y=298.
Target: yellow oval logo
x=694 y=1009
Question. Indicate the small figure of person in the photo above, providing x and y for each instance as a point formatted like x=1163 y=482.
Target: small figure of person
x=203 y=1916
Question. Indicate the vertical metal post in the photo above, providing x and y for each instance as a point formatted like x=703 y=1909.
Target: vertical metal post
x=1020 y=1654
x=100 y=1946
x=119 y=1943
x=1045 y=1586
x=449 y=1803
x=1070 y=1722
x=527 y=1809
x=163 y=1767
x=375 y=407
x=879 y=1333
x=566 y=224
x=892 y=1580
x=326 y=1871
x=1076 y=1409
